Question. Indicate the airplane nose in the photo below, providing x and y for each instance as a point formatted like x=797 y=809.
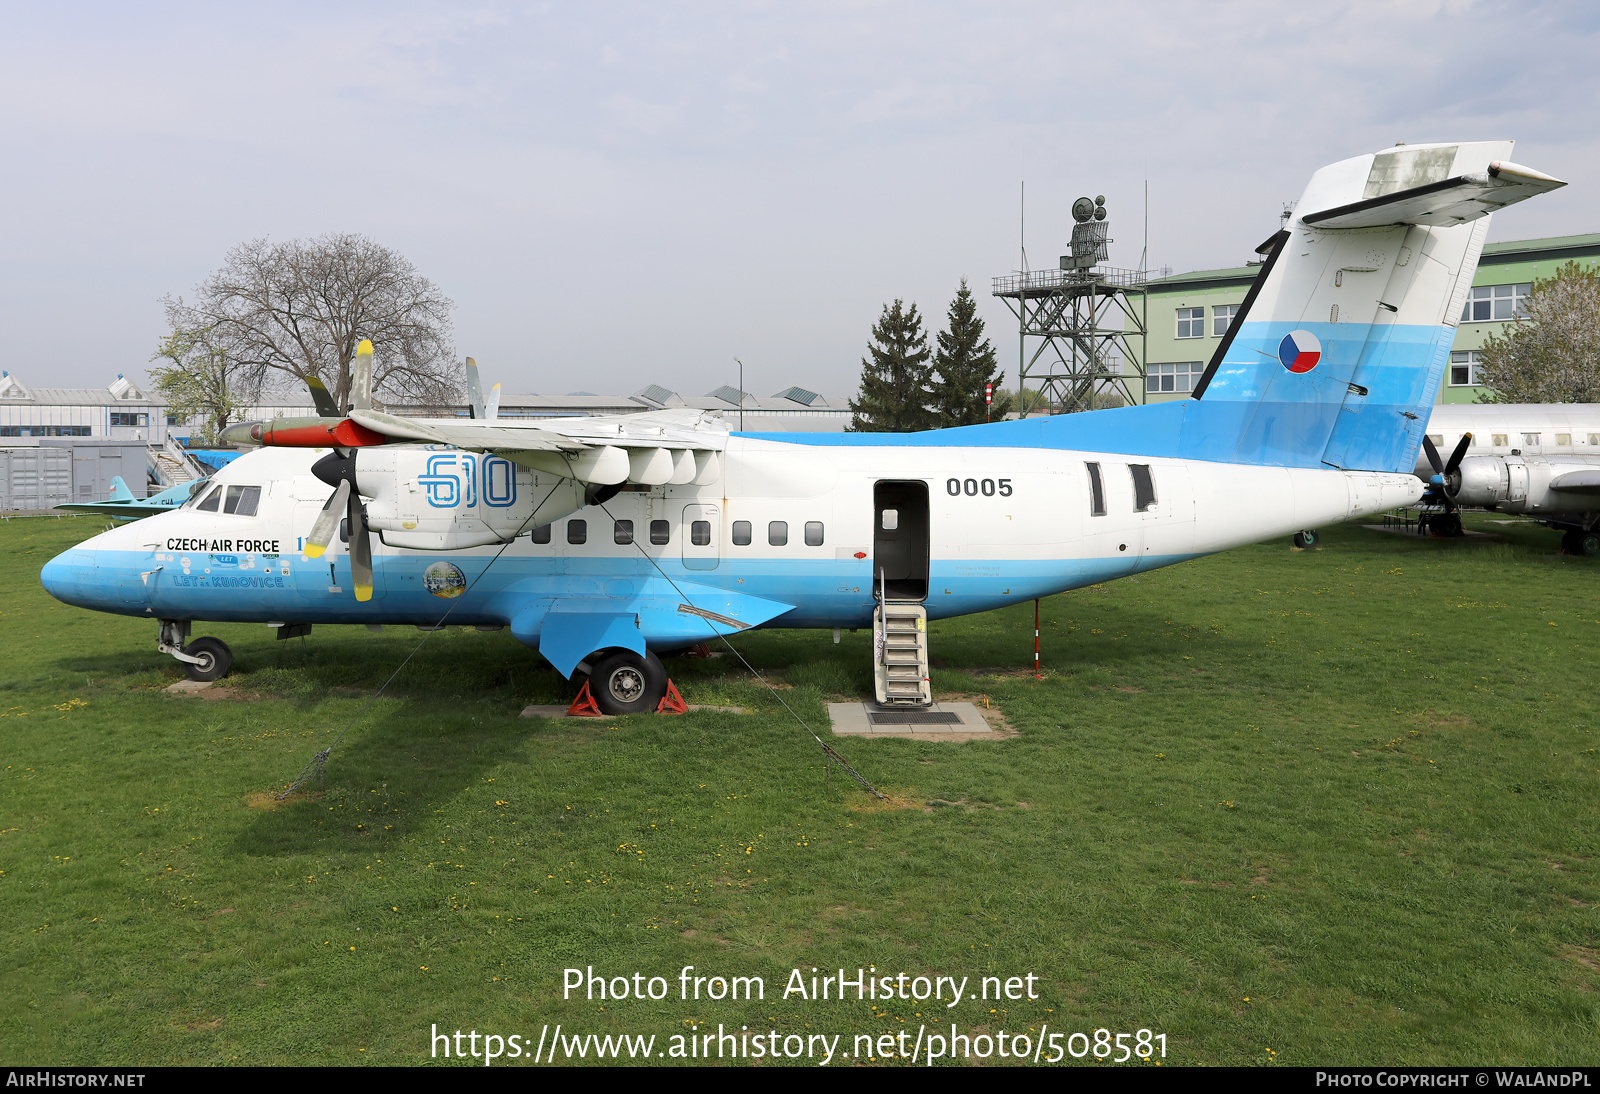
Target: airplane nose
x=67 y=576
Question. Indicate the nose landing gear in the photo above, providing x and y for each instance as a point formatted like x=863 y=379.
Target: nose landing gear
x=203 y=659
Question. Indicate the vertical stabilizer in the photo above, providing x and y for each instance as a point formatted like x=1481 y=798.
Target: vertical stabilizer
x=1340 y=352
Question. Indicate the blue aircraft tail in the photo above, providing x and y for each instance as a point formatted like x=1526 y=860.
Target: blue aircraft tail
x=119 y=490
x=1340 y=348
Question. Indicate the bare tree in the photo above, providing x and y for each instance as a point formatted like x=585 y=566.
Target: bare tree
x=1551 y=352
x=301 y=308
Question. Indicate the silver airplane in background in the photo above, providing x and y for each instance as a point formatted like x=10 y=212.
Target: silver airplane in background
x=1536 y=459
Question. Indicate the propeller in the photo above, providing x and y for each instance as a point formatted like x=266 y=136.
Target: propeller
x=477 y=406
x=361 y=377
x=1447 y=476
x=338 y=470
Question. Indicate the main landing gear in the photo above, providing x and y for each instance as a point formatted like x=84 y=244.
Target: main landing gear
x=203 y=659
x=1307 y=539
x=1581 y=543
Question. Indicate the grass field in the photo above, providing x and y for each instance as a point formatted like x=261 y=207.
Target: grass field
x=1282 y=807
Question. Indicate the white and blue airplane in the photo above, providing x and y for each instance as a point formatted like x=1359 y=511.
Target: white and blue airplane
x=602 y=542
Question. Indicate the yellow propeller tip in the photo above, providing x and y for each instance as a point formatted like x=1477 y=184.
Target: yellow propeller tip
x=365 y=346
x=363 y=592
x=313 y=551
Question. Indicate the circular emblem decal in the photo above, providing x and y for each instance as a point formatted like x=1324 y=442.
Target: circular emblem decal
x=444 y=579
x=1299 y=351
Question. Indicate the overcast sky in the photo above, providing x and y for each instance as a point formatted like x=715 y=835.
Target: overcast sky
x=620 y=194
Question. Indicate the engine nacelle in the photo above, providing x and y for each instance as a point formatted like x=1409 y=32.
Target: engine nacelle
x=1485 y=480
x=436 y=498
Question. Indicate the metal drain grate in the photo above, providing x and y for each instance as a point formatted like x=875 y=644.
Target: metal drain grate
x=914 y=718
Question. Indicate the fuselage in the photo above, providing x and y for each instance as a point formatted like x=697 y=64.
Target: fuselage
x=791 y=535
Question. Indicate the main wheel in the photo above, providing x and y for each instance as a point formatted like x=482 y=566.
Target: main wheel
x=625 y=683
x=215 y=659
x=1306 y=539
x=1447 y=524
x=1587 y=543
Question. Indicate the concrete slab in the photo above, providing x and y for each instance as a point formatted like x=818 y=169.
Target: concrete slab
x=941 y=722
x=559 y=710
x=189 y=687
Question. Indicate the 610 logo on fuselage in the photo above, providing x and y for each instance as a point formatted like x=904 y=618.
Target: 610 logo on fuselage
x=973 y=487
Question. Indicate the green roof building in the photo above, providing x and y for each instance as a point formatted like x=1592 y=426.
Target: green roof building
x=1190 y=312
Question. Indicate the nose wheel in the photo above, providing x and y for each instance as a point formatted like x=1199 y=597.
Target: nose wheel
x=203 y=659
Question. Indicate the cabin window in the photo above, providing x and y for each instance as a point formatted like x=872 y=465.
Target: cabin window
x=1437 y=439
x=577 y=531
x=778 y=533
x=622 y=532
x=1144 y=487
x=1499 y=440
x=660 y=532
x=1530 y=440
x=541 y=534
x=213 y=500
x=891 y=519
x=1594 y=438
x=242 y=500
x=813 y=533
x=1563 y=438
x=1097 y=491
x=741 y=533
x=700 y=533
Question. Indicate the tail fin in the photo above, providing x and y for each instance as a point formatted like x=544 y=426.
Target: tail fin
x=119 y=490
x=1338 y=353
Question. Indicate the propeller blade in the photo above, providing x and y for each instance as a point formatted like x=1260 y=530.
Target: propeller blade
x=327 y=521
x=474 y=390
x=361 y=377
x=492 y=410
x=1455 y=457
x=360 y=549
x=323 y=398
x=1433 y=454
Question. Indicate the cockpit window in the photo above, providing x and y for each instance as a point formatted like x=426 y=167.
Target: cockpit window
x=241 y=501
x=209 y=505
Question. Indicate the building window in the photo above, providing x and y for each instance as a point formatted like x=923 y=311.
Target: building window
x=120 y=417
x=1221 y=318
x=1489 y=302
x=541 y=534
x=44 y=431
x=622 y=532
x=660 y=532
x=1097 y=491
x=1191 y=322
x=1463 y=368
x=741 y=533
x=577 y=531
x=1181 y=376
x=778 y=533
x=813 y=533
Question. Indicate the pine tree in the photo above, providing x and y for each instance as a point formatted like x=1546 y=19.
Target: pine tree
x=896 y=384
x=964 y=363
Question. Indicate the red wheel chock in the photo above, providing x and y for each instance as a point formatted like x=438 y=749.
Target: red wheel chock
x=584 y=705
x=672 y=702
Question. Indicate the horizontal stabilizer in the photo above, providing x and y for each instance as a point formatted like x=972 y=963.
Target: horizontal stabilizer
x=1586 y=481
x=1449 y=201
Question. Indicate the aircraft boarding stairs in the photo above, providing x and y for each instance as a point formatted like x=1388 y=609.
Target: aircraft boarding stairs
x=900 y=661
x=169 y=464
